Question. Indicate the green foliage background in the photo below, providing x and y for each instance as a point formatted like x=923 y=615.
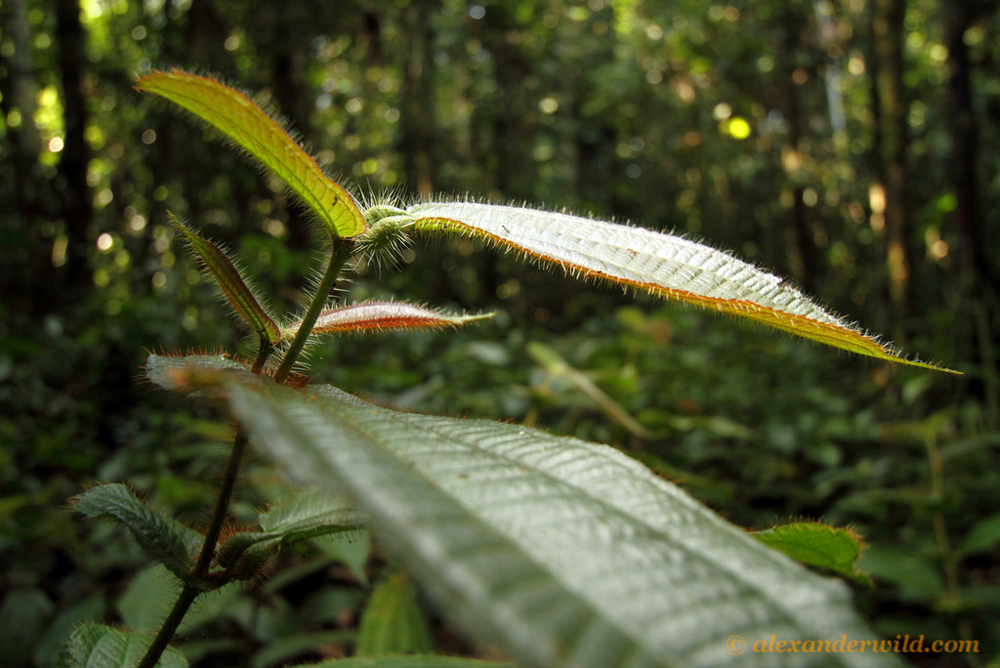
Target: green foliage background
x=622 y=108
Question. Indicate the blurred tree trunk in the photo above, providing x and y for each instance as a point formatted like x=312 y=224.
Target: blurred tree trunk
x=979 y=283
x=26 y=254
x=514 y=174
x=74 y=192
x=19 y=88
x=959 y=15
x=418 y=121
x=286 y=73
x=793 y=27
x=891 y=136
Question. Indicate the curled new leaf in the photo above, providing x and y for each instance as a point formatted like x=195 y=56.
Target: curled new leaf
x=232 y=283
x=239 y=118
x=658 y=263
x=377 y=316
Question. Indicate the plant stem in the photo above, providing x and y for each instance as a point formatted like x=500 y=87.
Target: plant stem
x=263 y=352
x=222 y=505
x=341 y=251
x=190 y=592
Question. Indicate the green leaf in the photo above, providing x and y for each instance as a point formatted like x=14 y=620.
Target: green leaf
x=232 y=283
x=146 y=601
x=984 y=535
x=284 y=649
x=393 y=622
x=557 y=367
x=162 y=538
x=241 y=120
x=351 y=549
x=565 y=552
x=99 y=646
x=818 y=545
x=409 y=661
x=662 y=264
x=312 y=513
x=25 y=615
x=376 y=316
x=916 y=576
x=311 y=509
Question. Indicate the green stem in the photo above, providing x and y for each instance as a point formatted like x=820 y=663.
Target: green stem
x=221 y=506
x=341 y=251
x=190 y=592
x=263 y=352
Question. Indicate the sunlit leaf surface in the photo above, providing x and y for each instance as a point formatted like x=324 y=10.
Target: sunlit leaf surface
x=662 y=264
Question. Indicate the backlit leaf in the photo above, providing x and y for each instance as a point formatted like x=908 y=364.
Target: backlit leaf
x=655 y=262
x=233 y=285
x=249 y=127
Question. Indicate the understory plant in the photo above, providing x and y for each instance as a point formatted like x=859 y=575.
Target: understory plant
x=559 y=551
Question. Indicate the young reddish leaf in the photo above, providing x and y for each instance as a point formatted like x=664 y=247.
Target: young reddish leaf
x=249 y=127
x=377 y=316
x=662 y=264
x=234 y=287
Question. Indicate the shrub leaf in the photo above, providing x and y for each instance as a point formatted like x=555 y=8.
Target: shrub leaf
x=231 y=282
x=250 y=128
x=161 y=537
x=99 y=646
x=658 y=263
x=393 y=622
x=566 y=552
x=835 y=549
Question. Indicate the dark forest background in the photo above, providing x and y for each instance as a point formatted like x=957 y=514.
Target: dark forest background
x=851 y=145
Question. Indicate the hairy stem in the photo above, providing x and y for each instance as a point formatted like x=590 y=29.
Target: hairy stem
x=341 y=251
x=190 y=592
x=222 y=505
x=263 y=352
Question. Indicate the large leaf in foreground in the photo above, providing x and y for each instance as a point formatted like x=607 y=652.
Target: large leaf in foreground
x=241 y=120
x=659 y=263
x=566 y=552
